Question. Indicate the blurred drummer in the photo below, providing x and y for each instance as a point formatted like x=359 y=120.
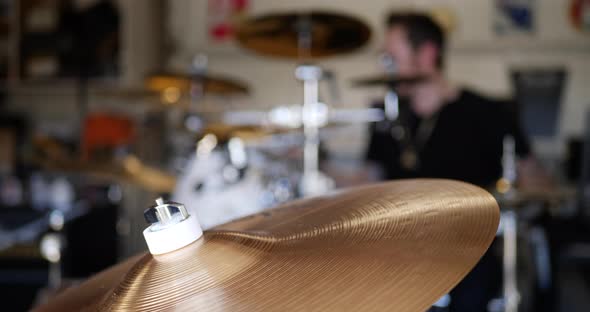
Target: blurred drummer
x=444 y=131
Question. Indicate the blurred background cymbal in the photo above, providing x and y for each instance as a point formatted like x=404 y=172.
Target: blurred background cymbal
x=215 y=85
x=302 y=35
x=390 y=81
x=129 y=170
x=171 y=87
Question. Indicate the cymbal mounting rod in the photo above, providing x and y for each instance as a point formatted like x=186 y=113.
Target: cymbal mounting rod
x=314 y=116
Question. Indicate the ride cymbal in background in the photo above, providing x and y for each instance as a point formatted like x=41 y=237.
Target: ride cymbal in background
x=395 y=246
x=302 y=35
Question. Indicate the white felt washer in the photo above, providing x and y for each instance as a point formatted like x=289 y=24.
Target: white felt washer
x=173 y=237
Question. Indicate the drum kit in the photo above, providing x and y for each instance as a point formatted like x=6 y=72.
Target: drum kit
x=301 y=37
x=392 y=246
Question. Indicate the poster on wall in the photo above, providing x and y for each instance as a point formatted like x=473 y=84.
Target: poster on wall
x=222 y=17
x=513 y=17
x=579 y=15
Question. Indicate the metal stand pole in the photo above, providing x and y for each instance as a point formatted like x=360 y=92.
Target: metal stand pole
x=314 y=116
x=510 y=287
x=51 y=249
x=310 y=128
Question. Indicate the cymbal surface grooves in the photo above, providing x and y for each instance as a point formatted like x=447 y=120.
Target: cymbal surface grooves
x=394 y=246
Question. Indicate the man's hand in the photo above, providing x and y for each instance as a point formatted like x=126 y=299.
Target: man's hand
x=532 y=177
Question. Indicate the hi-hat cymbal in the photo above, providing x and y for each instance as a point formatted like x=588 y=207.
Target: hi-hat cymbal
x=392 y=246
x=225 y=132
x=170 y=87
x=517 y=198
x=303 y=35
x=387 y=81
x=129 y=170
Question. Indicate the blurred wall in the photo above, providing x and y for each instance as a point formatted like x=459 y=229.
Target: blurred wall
x=53 y=104
x=477 y=58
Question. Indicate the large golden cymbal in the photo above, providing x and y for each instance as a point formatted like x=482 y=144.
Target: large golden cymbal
x=163 y=81
x=171 y=87
x=280 y=35
x=396 y=246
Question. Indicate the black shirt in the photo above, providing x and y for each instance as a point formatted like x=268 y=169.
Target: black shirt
x=465 y=143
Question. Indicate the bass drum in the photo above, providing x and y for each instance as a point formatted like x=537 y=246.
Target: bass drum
x=217 y=192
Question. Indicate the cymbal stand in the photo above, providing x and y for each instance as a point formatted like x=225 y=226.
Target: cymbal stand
x=510 y=227
x=314 y=115
x=198 y=70
x=52 y=245
x=509 y=230
x=510 y=287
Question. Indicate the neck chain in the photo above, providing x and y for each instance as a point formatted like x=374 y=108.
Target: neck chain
x=413 y=145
